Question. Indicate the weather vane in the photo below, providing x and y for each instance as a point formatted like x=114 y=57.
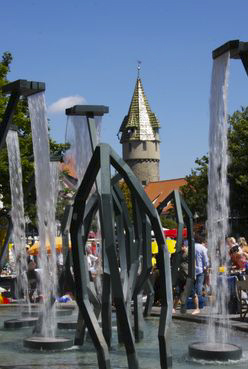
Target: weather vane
x=138 y=67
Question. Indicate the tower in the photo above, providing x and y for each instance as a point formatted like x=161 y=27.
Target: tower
x=140 y=137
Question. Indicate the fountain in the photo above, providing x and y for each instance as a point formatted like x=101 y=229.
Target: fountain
x=45 y=193
x=126 y=265
x=34 y=91
x=216 y=347
x=18 y=233
x=132 y=239
x=86 y=123
x=16 y=90
x=101 y=338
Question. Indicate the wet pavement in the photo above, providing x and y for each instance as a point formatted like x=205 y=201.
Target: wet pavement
x=234 y=321
x=185 y=331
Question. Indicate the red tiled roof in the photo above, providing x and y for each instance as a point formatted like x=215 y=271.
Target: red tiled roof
x=158 y=191
x=69 y=166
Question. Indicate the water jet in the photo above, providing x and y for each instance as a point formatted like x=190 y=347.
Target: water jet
x=34 y=91
x=216 y=346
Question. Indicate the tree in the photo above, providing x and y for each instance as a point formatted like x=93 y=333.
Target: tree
x=238 y=169
x=168 y=222
x=21 y=120
x=127 y=197
x=195 y=192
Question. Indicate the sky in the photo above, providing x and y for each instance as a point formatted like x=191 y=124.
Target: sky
x=87 y=51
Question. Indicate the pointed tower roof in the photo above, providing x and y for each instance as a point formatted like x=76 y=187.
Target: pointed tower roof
x=141 y=124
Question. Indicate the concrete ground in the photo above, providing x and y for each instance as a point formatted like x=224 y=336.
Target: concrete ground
x=234 y=319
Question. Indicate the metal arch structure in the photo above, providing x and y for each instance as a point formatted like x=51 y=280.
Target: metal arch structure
x=134 y=264
x=110 y=207
x=6 y=226
x=181 y=208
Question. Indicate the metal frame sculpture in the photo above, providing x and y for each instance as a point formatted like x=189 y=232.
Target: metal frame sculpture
x=125 y=284
x=5 y=221
x=181 y=207
x=90 y=112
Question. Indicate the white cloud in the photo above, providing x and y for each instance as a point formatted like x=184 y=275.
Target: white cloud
x=65 y=102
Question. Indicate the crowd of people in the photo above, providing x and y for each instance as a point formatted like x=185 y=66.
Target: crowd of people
x=236 y=262
x=33 y=277
x=238 y=251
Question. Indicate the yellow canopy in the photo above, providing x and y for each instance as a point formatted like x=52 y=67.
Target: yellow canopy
x=170 y=243
x=34 y=249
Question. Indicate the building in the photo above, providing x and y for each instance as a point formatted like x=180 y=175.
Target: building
x=158 y=191
x=140 y=141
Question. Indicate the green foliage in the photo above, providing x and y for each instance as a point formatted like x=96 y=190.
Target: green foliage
x=65 y=198
x=238 y=170
x=127 y=196
x=195 y=192
x=22 y=121
x=168 y=222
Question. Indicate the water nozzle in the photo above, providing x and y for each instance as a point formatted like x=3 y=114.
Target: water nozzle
x=13 y=127
x=237 y=49
x=87 y=110
x=57 y=158
x=16 y=89
x=24 y=87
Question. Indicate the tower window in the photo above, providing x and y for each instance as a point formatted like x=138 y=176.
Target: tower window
x=144 y=146
x=156 y=146
x=129 y=132
x=130 y=147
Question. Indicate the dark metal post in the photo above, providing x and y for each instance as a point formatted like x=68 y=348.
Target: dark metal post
x=16 y=89
x=5 y=223
x=238 y=50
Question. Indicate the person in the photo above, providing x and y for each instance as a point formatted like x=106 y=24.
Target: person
x=93 y=248
x=91 y=260
x=182 y=275
x=243 y=245
x=154 y=262
x=230 y=241
x=238 y=257
x=201 y=266
x=33 y=281
x=60 y=263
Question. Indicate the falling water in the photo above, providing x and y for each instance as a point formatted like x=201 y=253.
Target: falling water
x=80 y=154
x=218 y=191
x=17 y=212
x=80 y=150
x=54 y=171
x=45 y=208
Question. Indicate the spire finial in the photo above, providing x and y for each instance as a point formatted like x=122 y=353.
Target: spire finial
x=138 y=68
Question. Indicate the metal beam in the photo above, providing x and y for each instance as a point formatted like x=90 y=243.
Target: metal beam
x=238 y=50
